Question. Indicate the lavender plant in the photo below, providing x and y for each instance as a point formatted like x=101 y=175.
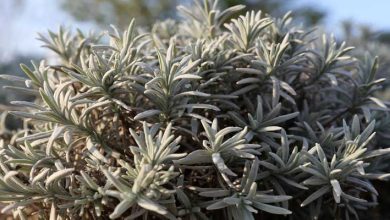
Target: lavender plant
x=213 y=116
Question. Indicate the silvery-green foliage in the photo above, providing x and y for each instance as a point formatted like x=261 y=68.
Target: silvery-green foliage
x=204 y=18
x=215 y=116
x=247 y=199
x=144 y=184
x=366 y=44
x=246 y=29
x=70 y=48
x=217 y=150
x=170 y=88
x=263 y=124
x=336 y=171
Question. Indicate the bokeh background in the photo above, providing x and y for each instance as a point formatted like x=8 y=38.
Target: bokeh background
x=362 y=23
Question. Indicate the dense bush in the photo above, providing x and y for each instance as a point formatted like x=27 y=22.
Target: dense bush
x=207 y=117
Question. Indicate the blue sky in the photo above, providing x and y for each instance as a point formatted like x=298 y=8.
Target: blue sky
x=370 y=12
x=19 y=24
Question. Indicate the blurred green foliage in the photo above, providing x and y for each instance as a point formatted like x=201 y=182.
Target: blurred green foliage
x=12 y=67
x=120 y=12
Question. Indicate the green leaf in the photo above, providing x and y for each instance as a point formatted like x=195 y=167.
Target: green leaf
x=147 y=114
x=56 y=176
x=195 y=157
x=271 y=209
x=317 y=194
